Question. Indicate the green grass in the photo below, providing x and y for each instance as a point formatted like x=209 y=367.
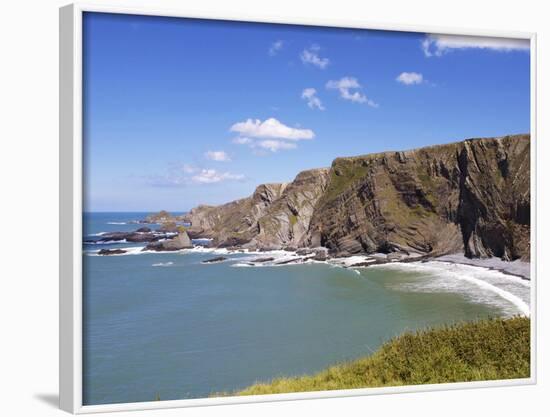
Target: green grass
x=483 y=350
x=349 y=172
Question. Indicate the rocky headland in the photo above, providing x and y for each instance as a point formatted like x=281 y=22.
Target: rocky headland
x=461 y=202
x=470 y=197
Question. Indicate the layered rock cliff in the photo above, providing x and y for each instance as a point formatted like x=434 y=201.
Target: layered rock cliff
x=275 y=216
x=234 y=223
x=471 y=196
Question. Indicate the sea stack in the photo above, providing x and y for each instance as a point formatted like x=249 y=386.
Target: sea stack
x=181 y=241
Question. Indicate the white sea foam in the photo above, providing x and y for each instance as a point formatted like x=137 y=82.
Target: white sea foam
x=134 y=250
x=444 y=276
x=117 y=223
x=280 y=258
x=202 y=249
x=517 y=267
x=106 y=242
x=352 y=260
x=242 y=265
x=97 y=234
x=163 y=264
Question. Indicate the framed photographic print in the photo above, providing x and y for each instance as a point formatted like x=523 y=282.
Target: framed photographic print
x=262 y=210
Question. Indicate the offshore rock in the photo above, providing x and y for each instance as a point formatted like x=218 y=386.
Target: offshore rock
x=181 y=241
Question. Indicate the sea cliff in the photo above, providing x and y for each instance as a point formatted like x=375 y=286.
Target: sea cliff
x=471 y=196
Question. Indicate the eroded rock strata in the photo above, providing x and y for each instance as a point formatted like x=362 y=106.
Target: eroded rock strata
x=471 y=196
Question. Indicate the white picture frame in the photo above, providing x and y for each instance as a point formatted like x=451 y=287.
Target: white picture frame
x=71 y=178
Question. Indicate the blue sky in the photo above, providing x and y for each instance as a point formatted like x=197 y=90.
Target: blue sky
x=181 y=112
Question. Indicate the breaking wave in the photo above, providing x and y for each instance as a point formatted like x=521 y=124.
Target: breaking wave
x=497 y=288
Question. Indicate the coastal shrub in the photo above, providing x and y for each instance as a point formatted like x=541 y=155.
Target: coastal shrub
x=483 y=350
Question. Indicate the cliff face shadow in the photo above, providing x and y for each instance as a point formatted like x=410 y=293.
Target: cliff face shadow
x=49 y=399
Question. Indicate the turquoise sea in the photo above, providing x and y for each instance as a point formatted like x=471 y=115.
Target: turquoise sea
x=165 y=324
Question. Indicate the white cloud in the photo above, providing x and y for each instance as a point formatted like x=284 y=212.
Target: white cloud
x=275 y=145
x=211 y=176
x=185 y=175
x=219 y=156
x=313 y=101
x=345 y=85
x=241 y=140
x=270 y=128
x=271 y=135
x=311 y=56
x=437 y=45
x=275 y=47
x=260 y=146
x=410 y=78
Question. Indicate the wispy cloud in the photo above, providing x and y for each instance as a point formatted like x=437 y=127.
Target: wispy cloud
x=410 y=78
x=219 y=156
x=211 y=176
x=314 y=102
x=311 y=56
x=188 y=169
x=261 y=146
x=348 y=88
x=437 y=45
x=186 y=175
x=270 y=128
x=242 y=140
x=275 y=145
x=275 y=47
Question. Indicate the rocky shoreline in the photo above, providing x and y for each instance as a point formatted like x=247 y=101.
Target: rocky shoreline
x=181 y=242
x=466 y=202
x=260 y=257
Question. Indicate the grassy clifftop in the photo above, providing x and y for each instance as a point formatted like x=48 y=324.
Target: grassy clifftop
x=484 y=350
